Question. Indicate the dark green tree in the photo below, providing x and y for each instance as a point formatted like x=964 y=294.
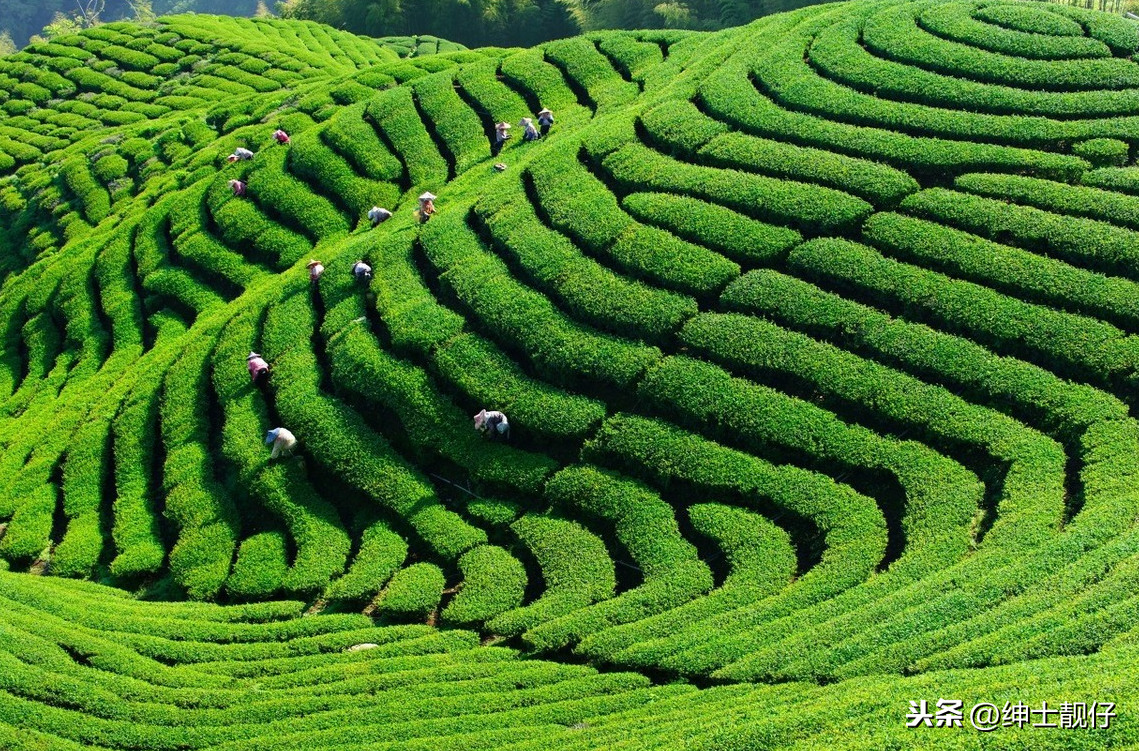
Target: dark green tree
x=471 y=22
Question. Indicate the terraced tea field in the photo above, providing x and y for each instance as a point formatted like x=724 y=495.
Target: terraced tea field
x=817 y=337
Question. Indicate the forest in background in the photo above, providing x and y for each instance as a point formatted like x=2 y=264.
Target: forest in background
x=523 y=23
x=507 y=23
x=475 y=23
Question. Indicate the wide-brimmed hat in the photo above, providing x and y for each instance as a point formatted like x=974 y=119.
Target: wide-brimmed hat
x=526 y=121
x=427 y=197
x=312 y=263
x=500 y=166
x=251 y=355
x=503 y=126
x=544 y=111
x=271 y=435
x=232 y=158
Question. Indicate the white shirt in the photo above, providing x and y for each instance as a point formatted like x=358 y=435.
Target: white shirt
x=282 y=440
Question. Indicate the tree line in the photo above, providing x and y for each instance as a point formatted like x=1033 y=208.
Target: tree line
x=475 y=23
x=522 y=23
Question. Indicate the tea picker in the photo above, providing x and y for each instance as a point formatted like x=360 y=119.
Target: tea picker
x=493 y=424
x=501 y=133
x=426 y=206
x=378 y=215
x=283 y=442
x=362 y=271
x=258 y=368
x=545 y=120
x=315 y=269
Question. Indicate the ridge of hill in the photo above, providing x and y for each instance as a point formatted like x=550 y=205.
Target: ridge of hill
x=817 y=339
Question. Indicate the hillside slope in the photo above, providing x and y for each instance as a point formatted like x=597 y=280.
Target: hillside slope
x=817 y=339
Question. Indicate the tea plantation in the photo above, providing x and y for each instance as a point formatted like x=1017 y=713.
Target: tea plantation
x=819 y=341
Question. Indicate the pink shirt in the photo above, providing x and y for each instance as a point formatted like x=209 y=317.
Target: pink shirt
x=256 y=365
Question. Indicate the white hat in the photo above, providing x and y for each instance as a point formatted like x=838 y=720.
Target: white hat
x=251 y=355
x=544 y=111
x=480 y=419
x=526 y=121
x=503 y=126
x=500 y=166
x=312 y=263
x=427 y=197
